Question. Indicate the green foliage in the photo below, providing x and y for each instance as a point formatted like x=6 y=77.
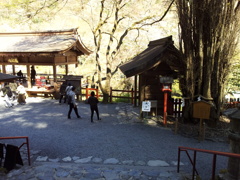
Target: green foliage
x=233 y=82
x=25 y=14
x=126 y=98
x=176 y=92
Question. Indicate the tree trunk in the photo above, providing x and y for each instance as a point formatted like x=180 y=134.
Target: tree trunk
x=209 y=35
x=105 y=97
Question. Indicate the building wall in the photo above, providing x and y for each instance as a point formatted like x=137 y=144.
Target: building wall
x=151 y=89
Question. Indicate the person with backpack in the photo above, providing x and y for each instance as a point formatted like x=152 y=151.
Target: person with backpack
x=67 y=90
x=7 y=94
x=93 y=102
x=72 y=103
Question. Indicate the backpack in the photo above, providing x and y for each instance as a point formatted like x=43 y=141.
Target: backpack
x=68 y=89
x=69 y=100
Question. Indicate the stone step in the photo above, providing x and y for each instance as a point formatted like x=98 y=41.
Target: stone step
x=74 y=171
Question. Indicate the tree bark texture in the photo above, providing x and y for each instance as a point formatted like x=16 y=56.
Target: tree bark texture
x=109 y=34
x=209 y=32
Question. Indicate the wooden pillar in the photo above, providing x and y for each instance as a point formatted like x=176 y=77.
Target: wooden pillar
x=54 y=73
x=141 y=93
x=13 y=69
x=28 y=77
x=135 y=90
x=66 y=69
x=141 y=89
x=3 y=68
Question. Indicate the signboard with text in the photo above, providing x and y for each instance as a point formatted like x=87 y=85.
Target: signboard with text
x=146 y=106
x=201 y=109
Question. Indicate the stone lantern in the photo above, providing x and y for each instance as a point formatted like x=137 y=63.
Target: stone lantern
x=234 y=137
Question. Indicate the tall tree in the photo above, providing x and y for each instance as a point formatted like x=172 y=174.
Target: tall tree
x=209 y=34
x=28 y=14
x=114 y=22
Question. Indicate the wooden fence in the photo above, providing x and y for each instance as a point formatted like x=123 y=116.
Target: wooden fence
x=177 y=107
x=122 y=94
x=128 y=95
x=114 y=93
x=231 y=103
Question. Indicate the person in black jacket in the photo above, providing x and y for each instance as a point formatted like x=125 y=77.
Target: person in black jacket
x=62 y=92
x=33 y=76
x=93 y=101
x=20 y=74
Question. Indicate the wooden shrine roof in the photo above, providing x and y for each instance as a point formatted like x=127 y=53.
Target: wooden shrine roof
x=43 y=43
x=158 y=51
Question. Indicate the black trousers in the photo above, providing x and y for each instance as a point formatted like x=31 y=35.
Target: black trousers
x=61 y=97
x=71 y=107
x=94 y=108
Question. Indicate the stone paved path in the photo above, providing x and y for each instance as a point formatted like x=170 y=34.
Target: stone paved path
x=86 y=171
x=90 y=168
x=95 y=168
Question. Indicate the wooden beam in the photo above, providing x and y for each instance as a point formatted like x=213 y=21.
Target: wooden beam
x=135 y=90
x=66 y=69
x=4 y=68
x=13 y=69
x=28 y=77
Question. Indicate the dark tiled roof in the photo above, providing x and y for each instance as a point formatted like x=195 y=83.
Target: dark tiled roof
x=45 y=41
x=149 y=58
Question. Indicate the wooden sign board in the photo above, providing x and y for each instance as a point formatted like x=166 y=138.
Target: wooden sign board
x=201 y=109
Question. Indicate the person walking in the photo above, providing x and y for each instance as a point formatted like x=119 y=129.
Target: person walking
x=13 y=86
x=93 y=102
x=21 y=94
x=72 y=103
x=7 y=94
x=68 y=89
x=62 y=92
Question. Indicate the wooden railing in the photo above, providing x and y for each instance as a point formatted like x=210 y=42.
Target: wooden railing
x=130 y=95
x=231 y=103
x=114 y=93
x=177 y=107
x=193 y=161
x=26 y=142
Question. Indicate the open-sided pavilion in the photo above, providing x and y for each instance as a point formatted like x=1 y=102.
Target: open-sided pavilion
x=45 y=48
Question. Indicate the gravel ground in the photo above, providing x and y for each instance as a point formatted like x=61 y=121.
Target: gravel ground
x=118 y=135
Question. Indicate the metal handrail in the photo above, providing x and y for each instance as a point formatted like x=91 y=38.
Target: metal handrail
x=193 y=162
x=27 y=143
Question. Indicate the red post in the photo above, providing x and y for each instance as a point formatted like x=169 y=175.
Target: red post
x=27 y=143
x=132 y=94
x=86 y=93
x=97 y=92
x=165 y=108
